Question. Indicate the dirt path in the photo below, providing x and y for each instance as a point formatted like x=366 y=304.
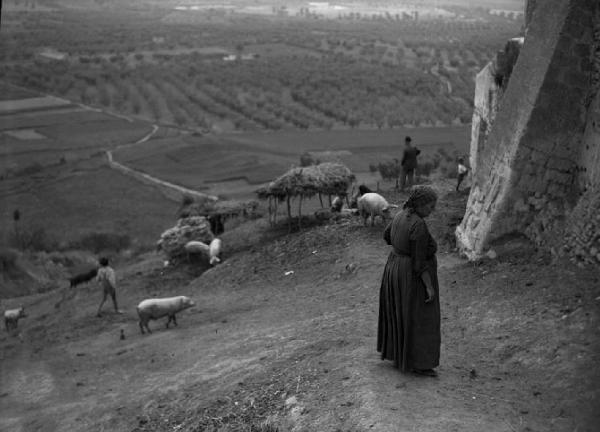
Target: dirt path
x=519 y=350
x=147 y=178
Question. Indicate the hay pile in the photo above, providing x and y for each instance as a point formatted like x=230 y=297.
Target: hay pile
x=173 y=240
x=326 y=178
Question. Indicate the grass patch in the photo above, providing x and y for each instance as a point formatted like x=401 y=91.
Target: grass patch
x=103 y=241
x=98 y=200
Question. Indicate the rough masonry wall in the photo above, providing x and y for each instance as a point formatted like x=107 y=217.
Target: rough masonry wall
x=490 y=84
x=529 y=179
x=582 y=231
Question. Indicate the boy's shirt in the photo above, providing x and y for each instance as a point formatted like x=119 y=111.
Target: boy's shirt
x=462 y=169
x=106 y=276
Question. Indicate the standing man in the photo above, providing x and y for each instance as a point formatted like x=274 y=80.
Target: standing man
x=106 y=278
x=409 y=163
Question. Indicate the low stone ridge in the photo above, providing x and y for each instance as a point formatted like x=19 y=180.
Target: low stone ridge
x=173 y=240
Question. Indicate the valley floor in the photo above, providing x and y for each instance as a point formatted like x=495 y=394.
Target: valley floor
x=520 y=345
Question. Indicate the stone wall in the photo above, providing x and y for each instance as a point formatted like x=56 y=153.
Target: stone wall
x=529 y=8
x=541 y=151
x=490 y=84
x=582 y=231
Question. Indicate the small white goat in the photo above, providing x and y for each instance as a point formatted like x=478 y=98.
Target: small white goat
x=152 y=309
x=215 y=251
x=12 y=316
x=372 y=204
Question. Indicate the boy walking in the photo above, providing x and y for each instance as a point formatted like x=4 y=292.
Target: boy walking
x=106 y=278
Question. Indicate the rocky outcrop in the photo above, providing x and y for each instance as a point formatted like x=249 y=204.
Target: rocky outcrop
x=537 y=169
x=173 y=240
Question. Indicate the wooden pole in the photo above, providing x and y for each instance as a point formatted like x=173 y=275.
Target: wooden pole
x=300 y=213
x=289 y=210
x=270 y=211
x=321 y=199
x=329 y=200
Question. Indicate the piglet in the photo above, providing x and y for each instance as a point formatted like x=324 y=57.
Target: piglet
x=12 y=316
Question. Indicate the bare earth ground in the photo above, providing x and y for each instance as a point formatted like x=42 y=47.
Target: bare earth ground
x=520 y=346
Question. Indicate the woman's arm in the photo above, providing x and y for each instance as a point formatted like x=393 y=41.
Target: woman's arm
x=387 y=233
x=426 y=278
x=419 y=241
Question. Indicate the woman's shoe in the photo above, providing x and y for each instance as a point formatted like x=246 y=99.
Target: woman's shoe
x=425 y=372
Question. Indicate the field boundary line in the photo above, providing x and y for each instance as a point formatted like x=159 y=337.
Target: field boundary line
x=165 y=186
x=148 y=179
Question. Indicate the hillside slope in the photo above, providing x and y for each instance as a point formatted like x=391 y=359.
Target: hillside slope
x=519 y=345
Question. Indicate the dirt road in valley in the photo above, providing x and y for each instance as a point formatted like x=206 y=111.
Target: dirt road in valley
x=519 y=352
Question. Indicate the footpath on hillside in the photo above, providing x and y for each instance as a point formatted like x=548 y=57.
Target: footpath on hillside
x=283 y=338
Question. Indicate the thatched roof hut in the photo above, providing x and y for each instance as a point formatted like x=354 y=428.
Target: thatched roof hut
x=305 y=182
x=217 y=212
x=326 y=178
x=225 y=208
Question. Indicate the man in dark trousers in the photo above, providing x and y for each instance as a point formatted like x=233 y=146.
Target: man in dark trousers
x=409 y=163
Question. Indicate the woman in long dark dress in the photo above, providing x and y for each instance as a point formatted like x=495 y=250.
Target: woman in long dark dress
x=409 y=308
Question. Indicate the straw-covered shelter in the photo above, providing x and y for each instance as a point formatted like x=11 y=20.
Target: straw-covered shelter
x=218 y=212
x=305 y=182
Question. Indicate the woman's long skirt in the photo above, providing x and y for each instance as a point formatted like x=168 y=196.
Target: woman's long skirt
x=409 y=329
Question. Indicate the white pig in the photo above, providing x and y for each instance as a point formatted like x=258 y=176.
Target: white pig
x=152 y=309
x=196 y=247
x=215 y=251
x=372 y=204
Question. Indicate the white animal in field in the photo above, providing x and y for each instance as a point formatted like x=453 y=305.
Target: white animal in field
x=372 y=204
x=337 y=204
x=196 y=247
x=12 y=316
x=152 y=309
x=215 y=251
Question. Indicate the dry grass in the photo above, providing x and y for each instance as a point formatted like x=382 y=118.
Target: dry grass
x=98 y=200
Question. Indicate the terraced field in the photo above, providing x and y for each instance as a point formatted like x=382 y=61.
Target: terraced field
x=38 y=130
x=212 y=162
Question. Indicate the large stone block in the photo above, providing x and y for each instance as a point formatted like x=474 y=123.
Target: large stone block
x=534 y=149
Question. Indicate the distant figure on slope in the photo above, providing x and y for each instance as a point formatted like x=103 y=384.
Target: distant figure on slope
x=409 y=308
x=106 y=278
x=462 y=172
x=409 y=163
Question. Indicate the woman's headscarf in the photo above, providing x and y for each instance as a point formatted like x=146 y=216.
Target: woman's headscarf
x=420 y=195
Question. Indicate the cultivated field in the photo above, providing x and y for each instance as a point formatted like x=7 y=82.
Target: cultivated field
x=250 y=71
x=38 y=131
x=207 y=163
